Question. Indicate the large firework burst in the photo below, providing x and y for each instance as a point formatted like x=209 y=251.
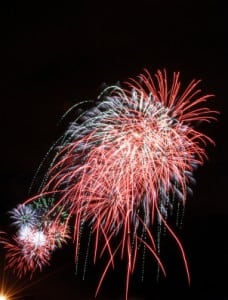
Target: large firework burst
x=123 y=164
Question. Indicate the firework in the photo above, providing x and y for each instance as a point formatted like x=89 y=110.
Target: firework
x=122 y=167
x=36 y=237
x=27 y=252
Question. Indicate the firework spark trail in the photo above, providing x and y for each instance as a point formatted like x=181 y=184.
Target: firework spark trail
x=120 y=162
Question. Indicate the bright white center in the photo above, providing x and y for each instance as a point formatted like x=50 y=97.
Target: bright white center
x=39 y=239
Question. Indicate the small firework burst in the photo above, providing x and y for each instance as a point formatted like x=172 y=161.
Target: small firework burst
x=58 y=234
x=36 y=238
x=26 y=255
x=23 y=215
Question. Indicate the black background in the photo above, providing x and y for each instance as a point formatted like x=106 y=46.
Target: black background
x=53 y=56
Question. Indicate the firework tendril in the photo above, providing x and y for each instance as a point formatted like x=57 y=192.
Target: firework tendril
x=121 y=169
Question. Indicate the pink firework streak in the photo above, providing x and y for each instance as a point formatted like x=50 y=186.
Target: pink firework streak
x=121 y=162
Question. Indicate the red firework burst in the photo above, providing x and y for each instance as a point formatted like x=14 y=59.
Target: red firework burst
x=120 y=163
x=27 y=253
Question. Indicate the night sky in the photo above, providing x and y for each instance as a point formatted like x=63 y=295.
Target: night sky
x=55 y=56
